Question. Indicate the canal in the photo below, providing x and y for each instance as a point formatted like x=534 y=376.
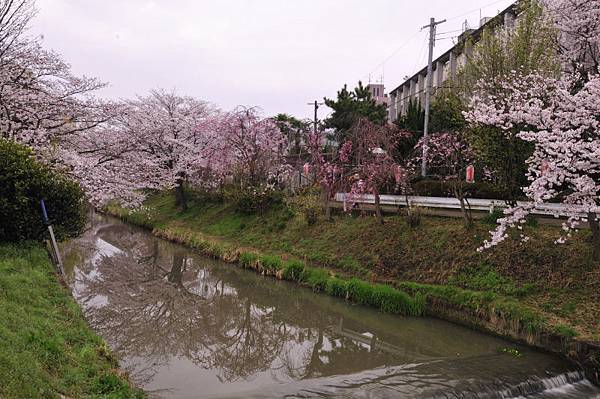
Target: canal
x=186 y=326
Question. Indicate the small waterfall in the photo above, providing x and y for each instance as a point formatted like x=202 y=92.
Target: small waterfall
x=564 y=386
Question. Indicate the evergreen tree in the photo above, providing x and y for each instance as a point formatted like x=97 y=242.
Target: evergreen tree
x=349 y=107
x=412 y=122
x=294 y=130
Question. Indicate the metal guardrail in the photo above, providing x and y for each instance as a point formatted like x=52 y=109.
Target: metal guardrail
x=476 y=204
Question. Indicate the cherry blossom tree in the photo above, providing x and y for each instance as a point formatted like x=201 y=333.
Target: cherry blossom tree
x=578 y=22
x=561 y=118
x=370 y=153
x=325 y=167
x=41 y=100
x=564 y=126
x=154 y=142
x=248 y=154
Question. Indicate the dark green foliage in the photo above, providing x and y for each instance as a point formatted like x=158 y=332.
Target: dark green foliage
x=414 y=118
x=504 y=154
x=23 y=183
x=293 y=269
x=294 y=130
x=447 y=112
x=349 y=107
x=413 y=123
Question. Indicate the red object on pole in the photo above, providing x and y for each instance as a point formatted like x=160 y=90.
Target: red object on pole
x=306 y=168
x=470 y=174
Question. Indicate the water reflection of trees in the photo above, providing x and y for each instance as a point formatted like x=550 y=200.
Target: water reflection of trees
x=159 y=303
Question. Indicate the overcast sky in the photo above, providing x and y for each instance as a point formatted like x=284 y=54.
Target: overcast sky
x=275 y=54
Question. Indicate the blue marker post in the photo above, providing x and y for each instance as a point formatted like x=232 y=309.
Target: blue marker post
x=56 y=252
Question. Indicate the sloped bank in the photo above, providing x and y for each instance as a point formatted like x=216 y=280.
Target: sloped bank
x=47 y=349
x=485 y=311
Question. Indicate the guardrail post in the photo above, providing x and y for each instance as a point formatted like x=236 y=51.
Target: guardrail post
x=52 y=238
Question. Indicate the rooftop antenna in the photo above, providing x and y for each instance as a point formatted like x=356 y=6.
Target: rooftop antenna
x=465 y=25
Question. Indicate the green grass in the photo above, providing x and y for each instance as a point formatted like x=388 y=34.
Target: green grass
x=46 y=346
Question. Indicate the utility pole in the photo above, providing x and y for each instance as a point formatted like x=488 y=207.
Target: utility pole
x=428 y=86
x=316 y=120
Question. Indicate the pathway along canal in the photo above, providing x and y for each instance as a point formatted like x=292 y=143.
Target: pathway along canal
x=186 y=326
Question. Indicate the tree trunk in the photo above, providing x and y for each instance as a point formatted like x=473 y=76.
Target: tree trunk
x=176 y=273
x=180 y=197
x=325 y=197
x=378 y=207
x=595 y=227
x=464 y=207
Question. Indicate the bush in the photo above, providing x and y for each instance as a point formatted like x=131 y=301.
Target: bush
x=315 y=278
x=359 y=291
x=391 y=300
x=270 y=263
x=308 y=204
x=292 y=270
x=248 y=259
x=23 y=183
x=336 y=287
x=253 y=199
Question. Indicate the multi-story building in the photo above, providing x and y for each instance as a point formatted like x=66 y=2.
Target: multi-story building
x=378 y=93
x=446 y=65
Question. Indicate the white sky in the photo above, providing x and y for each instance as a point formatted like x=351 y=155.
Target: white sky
x=275 y=54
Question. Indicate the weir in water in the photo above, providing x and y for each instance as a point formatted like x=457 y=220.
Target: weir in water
x=185 y=326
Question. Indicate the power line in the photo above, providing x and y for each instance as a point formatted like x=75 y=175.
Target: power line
x=421 y=56
x=450 y=31
x=475 y=9
x=396 y=51
x=410 y=39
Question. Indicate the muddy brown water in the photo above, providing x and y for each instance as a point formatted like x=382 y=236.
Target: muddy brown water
x=185 y=326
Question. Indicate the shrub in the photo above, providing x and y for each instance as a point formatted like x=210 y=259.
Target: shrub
x=248 y=259
x=270 y=263
x=391 y=300
x=23 y=183
x=308 y=204
x=359 y=291
x=253 y=199
x=315 y=278
x=336 y=287
x=292 y=270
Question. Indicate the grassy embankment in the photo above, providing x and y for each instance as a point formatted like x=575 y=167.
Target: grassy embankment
x=534 y=287
x=46 y=347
